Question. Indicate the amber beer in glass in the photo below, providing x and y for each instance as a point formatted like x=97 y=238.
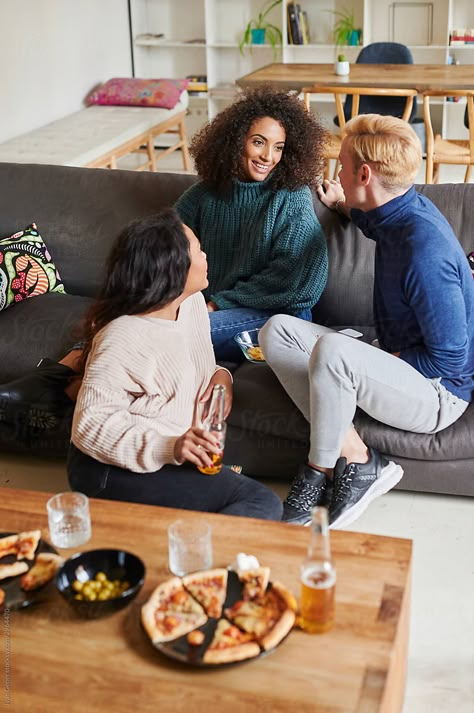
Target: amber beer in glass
x=318 y=578
x=211 y=419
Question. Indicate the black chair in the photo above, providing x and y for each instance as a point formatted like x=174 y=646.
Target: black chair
x=381 y=53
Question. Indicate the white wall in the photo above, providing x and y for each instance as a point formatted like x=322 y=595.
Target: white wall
x=52 y=53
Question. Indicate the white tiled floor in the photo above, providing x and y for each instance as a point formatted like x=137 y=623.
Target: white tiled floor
x=441 y=654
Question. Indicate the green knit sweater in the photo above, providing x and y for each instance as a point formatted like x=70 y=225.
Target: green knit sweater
x=265 y=249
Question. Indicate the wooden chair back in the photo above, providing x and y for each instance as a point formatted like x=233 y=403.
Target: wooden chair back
x=448 y=151
x=340 y=93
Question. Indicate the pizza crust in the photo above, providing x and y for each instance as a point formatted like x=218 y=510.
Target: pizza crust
x=12 y=570
x=45 y=567
x=278 y=632
x=248 y=650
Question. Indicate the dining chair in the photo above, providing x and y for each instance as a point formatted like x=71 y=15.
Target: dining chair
x=381 y=53
x=356 y=94
x=448 y=151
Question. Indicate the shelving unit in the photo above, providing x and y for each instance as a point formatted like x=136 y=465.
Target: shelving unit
x=201 y=37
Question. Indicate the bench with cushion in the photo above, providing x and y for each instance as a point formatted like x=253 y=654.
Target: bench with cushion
x=97 y=137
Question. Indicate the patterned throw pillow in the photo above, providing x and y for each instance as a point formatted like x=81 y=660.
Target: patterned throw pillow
x=163 y=93
x=26 y=268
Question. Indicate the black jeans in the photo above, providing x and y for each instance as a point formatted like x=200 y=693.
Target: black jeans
x=174 y=486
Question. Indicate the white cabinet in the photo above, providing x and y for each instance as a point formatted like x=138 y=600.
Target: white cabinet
x=201 y=37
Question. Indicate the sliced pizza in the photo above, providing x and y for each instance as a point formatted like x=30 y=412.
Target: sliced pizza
x=8 y=545
x=45 y=567
x=27 y=544
x=230 y=644
x=171 y=612
x=12 y=570
x=269 y=618
x=209 y=588
x=255 y=581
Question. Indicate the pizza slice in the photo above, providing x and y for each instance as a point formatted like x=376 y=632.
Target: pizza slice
x=27 y=544
x=230 y=644
x=45 y=567
x=269 y=619
x=255 y=581
x=171 y=612
x=9 y=545
x=209 y=588
x=12 y=570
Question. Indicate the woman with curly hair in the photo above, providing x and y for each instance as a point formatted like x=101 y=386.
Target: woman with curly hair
x=253 y=212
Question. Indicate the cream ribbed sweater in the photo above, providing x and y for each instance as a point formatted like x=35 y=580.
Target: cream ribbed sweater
x=142 y=380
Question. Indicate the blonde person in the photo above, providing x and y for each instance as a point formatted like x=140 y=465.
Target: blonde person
x=421 y=378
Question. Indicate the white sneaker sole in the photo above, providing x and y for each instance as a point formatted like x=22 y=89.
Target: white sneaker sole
x=389 y=477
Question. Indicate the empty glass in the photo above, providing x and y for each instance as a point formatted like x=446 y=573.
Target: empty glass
x=69 y=519
x=189 y=546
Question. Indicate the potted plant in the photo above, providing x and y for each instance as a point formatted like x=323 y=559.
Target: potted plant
x=259 y=30
x=342 y=66
x=345 y=31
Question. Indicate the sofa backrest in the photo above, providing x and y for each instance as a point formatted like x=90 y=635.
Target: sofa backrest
x=80 y=211
x=347 y=298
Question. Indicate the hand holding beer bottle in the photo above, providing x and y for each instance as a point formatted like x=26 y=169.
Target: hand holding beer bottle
x=212 y=420
x=318 y=578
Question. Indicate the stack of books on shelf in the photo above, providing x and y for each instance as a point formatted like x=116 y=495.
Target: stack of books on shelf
x=197 y=86
x=461 y=37
x=298 y=27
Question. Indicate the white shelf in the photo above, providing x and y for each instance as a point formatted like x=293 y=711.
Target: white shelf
x=220 y=24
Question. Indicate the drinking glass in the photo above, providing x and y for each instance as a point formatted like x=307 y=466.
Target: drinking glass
x=189 y=546
x=318 y=578
x=69 y=519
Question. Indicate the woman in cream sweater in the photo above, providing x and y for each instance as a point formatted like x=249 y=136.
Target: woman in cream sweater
x=148 y=361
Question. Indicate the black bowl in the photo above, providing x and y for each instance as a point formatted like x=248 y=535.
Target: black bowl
x=116 y=564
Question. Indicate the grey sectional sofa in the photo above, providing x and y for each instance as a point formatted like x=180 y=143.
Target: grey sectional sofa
x=80 y=211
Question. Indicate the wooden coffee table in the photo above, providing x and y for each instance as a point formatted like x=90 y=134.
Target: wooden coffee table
x=52 y=661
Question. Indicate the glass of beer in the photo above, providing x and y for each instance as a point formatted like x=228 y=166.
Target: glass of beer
x=211 y=418
x=318 y=578
x=216 y=458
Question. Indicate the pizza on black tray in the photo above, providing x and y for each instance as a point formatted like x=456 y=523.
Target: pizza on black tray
x=216 y=616
x=26 y=564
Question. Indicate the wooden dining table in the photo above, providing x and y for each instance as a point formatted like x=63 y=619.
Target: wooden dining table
x=404 y=76
x=52 y=661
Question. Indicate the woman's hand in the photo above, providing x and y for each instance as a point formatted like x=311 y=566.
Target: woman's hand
x=194 y=445
x=220 y=376
x=331 y=194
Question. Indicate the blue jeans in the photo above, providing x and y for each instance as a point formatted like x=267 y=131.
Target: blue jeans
x=226 y=323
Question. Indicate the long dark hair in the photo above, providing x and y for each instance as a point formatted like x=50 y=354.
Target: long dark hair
x=217 y=148
x=146 y=269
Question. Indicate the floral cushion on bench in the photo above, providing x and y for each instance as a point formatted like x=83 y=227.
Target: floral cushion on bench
x=162 y=93
x=26 y=268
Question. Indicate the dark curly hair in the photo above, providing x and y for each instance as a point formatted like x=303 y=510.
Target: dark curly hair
x=146 y=269
x=217 y=148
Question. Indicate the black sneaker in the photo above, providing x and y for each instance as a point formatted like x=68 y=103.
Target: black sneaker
x=357 y=484
x=307 y=491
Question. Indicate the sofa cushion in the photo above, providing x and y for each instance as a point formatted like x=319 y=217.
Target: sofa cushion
x=132 y=91
x=26 y=268
x=43 y=327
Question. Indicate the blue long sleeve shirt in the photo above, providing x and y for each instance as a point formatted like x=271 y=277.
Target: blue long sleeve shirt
x=266 y=249
x=423 y=290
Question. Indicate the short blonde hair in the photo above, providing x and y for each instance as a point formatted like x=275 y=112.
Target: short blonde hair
x=388 y=144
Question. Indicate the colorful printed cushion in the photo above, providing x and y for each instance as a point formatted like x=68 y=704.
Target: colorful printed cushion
x=163 y=93
x=26 y=268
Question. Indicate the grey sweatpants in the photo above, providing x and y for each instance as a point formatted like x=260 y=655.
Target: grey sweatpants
x=327 y=375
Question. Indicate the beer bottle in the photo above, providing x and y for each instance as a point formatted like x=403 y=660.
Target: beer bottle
x=214 y=422
x=318 y=577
